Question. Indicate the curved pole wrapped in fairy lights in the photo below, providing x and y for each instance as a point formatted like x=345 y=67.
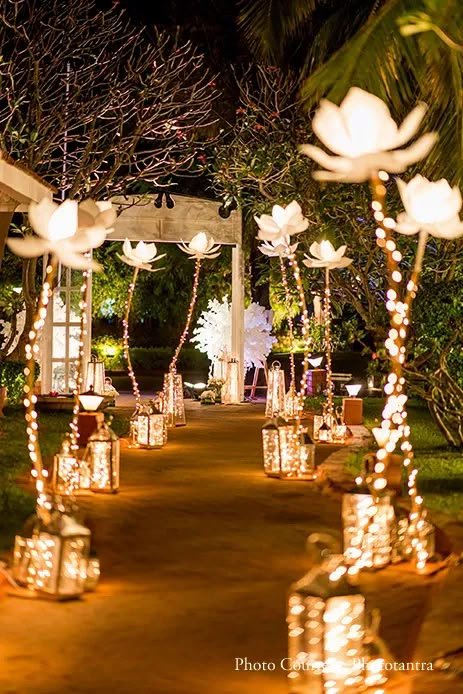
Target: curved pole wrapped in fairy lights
x=64 y=233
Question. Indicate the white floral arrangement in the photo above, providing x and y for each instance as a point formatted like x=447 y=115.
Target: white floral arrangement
x=207 y=397
x=213 y=332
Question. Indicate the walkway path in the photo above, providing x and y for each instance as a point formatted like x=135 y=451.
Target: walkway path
x=197 y=552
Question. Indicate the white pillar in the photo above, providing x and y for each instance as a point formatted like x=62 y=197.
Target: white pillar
x=237 y=310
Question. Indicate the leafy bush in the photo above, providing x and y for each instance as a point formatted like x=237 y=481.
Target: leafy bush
x=13 y=379
x=159 y=358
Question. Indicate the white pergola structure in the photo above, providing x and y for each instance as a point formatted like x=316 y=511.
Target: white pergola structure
x=18 y=188
x=140 y=220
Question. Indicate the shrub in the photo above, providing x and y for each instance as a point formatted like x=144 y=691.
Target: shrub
x=13 y=379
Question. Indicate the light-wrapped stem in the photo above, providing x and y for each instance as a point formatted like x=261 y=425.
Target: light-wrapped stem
x=125 y=324
x=292 y=368
x=194 y=294
x=305 y=329
x=30 y=399
x=329 y=373
x=79 y=361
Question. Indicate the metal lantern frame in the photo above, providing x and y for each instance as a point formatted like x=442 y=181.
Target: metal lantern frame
x=285 y=451
x=65 y=470
x=173 y=407
x=102 y=457
x=276 y=389
x=54 y=560
x=326 y=630
x=95 y=377
x=151 y=429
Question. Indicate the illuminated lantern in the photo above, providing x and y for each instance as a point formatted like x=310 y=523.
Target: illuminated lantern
x=102 y=457
x=307 y=469
x=231 y=391
x=92 y=574
x=275 y=391
x=291 y=403
x=290 y=450
x=324 y=433
x=65 y=470
x=151 y=428
x=90 y=400
x=55 y=562
x=95 y=375
x=326 y=628
x=271 y=446
x=173 y=405
x=368 y=528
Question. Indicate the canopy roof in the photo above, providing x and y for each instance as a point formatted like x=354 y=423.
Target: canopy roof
x=19 y=186
x=140 y=220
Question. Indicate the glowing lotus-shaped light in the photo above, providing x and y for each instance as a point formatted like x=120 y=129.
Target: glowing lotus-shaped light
x=325 y=255
x=281 y=248
x=141 y=256
x=432 y=207
x=366 y=138
x=67 y=231
x=201 y=246
x=284 y=222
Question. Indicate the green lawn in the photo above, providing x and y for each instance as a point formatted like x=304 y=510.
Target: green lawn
x=16 y=504
x=440 y=476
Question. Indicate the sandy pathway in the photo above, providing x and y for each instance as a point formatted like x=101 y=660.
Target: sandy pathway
x=197 y=551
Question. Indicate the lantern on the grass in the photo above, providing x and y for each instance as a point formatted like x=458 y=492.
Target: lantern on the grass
x=173 y=405
x=368 y=528
x=95 y=375
x=54 y=560
x=102 y=457
x=275 y=404
x=271 y=446
x=65 y=470
x=151 y=428
x=326 y=628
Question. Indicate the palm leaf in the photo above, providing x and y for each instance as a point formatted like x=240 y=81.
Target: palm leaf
x=267 y=25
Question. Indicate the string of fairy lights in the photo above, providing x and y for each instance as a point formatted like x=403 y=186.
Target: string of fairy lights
x=39 y=473
x=184 y=335
x=292 y=366
x=328 y=368
x=74 y=423
x=395 y=412
x=125 y=337
x=306 y=336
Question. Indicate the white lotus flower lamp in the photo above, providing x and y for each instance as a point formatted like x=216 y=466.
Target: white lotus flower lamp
x=201 y=246
x=432 y=207
x=365 y=138
x=324 y=255
x=280 y=248
x=284 y=222
x=141 y=256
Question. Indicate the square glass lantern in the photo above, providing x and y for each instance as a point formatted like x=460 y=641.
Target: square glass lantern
x=102 y=457
x=290 y=450
x=307 y=469
x=291 y=403
x=65 y=470
x=271 y=446
x=95 y=378
x=276 y=389
x=173 y=405
x=368 y=528
x=326 y=630
x=151 y=428
x=54 y=560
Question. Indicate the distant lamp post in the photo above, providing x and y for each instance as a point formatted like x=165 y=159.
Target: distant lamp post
x=90 y=400
x=315 y=362
x=353 y=390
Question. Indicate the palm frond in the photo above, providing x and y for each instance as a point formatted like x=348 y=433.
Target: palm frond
x=267 y=25
x=402 y=70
